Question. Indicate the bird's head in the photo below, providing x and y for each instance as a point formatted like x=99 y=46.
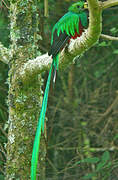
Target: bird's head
x=78 y=7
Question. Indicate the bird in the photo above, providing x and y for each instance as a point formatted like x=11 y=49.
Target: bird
x=70 y=26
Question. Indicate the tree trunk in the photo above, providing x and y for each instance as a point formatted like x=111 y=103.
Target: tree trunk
x=24 y=97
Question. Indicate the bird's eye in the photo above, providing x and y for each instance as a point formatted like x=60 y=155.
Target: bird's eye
x=78 y=6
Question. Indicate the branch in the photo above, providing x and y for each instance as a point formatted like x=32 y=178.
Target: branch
x=92 y=149
x=107 y=37
x=109 y=3
x=35 y=66
x=76 y=47
x=4 y=54
x=5 y=4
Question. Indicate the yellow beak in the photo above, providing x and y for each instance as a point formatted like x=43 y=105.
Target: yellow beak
x=85 y=5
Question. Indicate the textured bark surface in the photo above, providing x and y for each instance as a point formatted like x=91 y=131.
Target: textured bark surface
x=24 y=98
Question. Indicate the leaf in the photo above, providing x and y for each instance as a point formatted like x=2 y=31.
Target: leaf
x=108 y=165
x=97 y=74
x=89 y=160
x=114 y=30
x=102 y=44
x=100 y=166
x=115 y=51
x=1 y=114
x=1 y=162
x=115 y=137
x=90 y=175
x=106 y=176
x=105 y=156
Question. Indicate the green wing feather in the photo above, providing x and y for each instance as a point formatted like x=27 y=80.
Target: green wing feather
x=70 y=23
x=83 y=18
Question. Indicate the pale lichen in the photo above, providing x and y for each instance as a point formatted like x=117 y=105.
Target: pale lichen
x=11 y=138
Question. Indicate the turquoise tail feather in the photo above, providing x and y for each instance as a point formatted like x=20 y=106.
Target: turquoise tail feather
x=40 y=126
x=55 y=67
x=41 y=121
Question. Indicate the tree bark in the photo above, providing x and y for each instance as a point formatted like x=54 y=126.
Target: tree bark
x=24 y=98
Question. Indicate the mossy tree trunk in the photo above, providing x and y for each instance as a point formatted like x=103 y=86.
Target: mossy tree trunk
x=24 y=97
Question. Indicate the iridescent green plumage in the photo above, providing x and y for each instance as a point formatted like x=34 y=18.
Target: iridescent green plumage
x=64 y=29
x=70 y=23
x=39 y=127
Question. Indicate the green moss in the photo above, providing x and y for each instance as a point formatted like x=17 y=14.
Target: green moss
x=24 y=99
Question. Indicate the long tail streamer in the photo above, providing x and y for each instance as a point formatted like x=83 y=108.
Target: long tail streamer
x=40 y=126
x=41 y=122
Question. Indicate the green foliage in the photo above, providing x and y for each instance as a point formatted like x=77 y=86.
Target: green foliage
x=101 y=167
x=3 y=115
x=103 y=44
x=114 y=30
x=4 y=30
x=89 y=160
x=116 y=137
x=1 y=177
x=4 y=38
x=90 y=176
x=115 y=51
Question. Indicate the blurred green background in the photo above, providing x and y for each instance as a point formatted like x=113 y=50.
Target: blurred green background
x=82 y=108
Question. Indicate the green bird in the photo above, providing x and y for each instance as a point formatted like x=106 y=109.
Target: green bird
x=71 y=25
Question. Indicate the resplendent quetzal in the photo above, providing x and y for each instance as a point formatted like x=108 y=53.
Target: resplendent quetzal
x=71 y=25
